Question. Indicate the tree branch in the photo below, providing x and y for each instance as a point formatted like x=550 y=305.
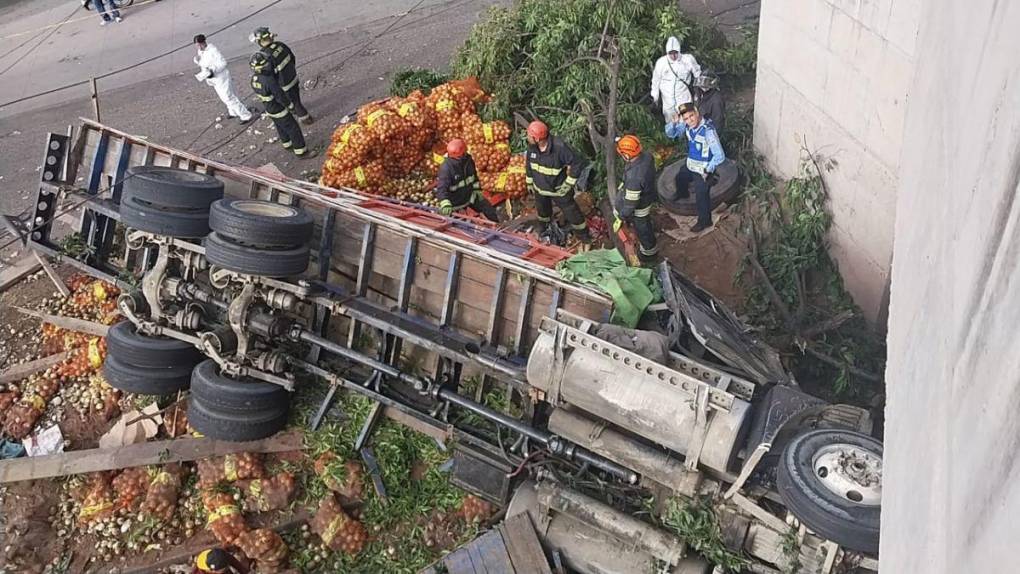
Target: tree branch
x=582 y=59
x=809 y=349
x=826 y=326
x=774 y=297
x=605 y=27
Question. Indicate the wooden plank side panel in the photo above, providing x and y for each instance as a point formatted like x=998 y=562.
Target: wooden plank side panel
x=523 y=546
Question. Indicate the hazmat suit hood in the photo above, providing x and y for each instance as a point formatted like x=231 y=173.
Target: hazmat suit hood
x=672 y=45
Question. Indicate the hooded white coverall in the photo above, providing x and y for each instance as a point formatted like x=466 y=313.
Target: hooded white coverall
x=668 y=79
x=215 y=73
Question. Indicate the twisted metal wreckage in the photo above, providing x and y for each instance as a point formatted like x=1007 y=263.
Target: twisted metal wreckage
x=699 y=409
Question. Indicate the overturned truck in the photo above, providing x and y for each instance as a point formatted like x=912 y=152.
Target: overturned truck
x=242 y=286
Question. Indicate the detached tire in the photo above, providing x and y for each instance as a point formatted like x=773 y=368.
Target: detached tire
x=221 y=425
x=146 y=380
x=260 y=223
x=127 y=345
x=724 y=190
x=171 y=187
x=224 y=394
x=832 y=481
x=231 y=256
x=162 y=221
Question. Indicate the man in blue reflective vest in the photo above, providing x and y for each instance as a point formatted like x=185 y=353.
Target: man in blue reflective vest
x=704 y=154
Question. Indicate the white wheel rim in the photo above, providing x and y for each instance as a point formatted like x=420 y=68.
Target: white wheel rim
x=264 y=208
x=851 y=472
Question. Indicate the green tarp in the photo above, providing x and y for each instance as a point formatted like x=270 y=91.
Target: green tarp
x=633 y=289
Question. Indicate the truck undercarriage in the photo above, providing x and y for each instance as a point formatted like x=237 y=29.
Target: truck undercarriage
x=243 y=287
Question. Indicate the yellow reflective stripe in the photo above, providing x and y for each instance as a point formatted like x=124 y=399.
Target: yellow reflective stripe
x=266 y=98
x=283 y=64
x=553 y=193
x=652 y=251
x=529 y=180
x=570 y=180
x=582 y=225
x=291 y=84
x=553 y=171
x=633 y=194
x=464 y=182
x=643 y=212
x=286 y=144
x=280 y=114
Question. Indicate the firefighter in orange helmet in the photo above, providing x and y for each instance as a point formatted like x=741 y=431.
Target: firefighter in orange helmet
x=638 y=194
x=552 y=170
x=458 y=185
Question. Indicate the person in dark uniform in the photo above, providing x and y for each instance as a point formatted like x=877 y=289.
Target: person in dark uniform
x=285 y=69
x=709 y=100
x=551 y=171
x=458 y=185
x=218 y=561
x=277 y=105
x=639 y=195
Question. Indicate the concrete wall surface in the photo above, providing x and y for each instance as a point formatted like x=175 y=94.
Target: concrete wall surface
x=951 y=500
x=833 y=77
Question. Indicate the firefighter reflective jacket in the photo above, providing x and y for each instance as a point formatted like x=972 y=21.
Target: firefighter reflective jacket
x=554 y=171
x=269 y=92
x=458 y=182
x=283 y=62
x=638 y=187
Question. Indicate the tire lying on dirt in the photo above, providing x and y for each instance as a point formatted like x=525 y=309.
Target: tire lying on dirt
x=224 y=425
x=227 y=254
x=136 y=214
x=224 y=394
x=260 y=223
x=172 y=188
x=146 y=380
x=724 y=190
x=831 y=480
x=127 y=345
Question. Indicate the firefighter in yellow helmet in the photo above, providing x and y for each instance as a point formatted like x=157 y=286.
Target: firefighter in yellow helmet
x=218 y=561
x=639 y=194
x=284 y=65
x=277 y=105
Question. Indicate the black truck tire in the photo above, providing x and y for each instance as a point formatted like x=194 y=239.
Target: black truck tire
x=146 y=380
x=162 y=221
x=724 y=190
x=226 y=254
x=224 y=394
x=260 y=223
x=235 y=427
x=810 y=487
x=131 y=347
x=171 y=187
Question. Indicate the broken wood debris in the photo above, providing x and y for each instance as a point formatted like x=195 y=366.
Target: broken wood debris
x=158 y=452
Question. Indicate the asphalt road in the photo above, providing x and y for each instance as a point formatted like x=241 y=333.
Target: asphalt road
x=347 y=52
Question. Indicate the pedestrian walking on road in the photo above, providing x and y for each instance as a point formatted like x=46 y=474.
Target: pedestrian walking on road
x=277 y=105
x=551 y=172
x=215 y=73
x=673 y=77
x=704 y=155
x=639 y=195
x=113 y=15
x=284 y=67
x=458 y=186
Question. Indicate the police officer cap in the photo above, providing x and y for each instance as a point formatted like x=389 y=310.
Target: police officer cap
x=686 y=107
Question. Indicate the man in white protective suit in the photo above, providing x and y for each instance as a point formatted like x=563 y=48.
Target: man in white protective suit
x=673 y=77
x=215 y=73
